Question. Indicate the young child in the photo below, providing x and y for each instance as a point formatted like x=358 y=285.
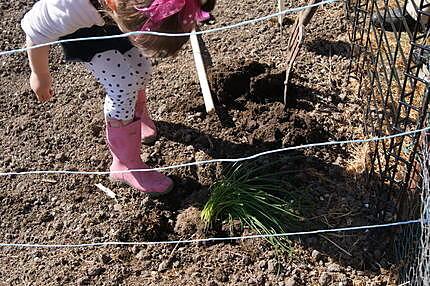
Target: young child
x=120 y=65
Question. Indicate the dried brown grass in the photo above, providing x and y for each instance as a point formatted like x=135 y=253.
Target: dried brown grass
x=385 y=97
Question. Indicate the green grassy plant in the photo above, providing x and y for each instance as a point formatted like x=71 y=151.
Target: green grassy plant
x=259 y=196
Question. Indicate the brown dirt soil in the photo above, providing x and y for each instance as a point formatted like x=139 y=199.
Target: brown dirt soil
x=246 y=78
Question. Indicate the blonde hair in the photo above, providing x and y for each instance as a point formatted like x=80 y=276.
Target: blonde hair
x=129 y=19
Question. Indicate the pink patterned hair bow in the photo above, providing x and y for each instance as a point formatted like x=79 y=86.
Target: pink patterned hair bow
x=189 y=13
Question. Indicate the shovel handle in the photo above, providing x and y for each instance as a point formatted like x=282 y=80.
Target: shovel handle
x=308 y=13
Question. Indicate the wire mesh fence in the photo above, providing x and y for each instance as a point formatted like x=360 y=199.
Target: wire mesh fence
x=424 y=258
x=390 y=64
x=420 y=275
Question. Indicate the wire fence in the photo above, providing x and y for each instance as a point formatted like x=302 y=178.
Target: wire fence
x=396 y=90
x=390 y=63
x=215 y=239
x=421 y=274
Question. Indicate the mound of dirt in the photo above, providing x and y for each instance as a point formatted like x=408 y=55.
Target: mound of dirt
x=188 y=223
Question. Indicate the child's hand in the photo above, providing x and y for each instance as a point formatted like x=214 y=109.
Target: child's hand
x=41 y=84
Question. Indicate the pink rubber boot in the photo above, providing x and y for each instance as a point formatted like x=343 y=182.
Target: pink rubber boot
x=124 y=144
x=149 y=131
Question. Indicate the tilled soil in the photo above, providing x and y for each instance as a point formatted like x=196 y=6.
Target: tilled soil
x=247 y=82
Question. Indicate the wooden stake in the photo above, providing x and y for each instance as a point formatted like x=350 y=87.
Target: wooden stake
x=281 y=7
x=201 y=72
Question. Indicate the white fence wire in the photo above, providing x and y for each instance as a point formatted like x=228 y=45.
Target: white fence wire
x=235 y=160
x=215 y=239
x=215 y=30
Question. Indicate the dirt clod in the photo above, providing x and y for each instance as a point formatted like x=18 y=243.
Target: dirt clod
x=188 y=223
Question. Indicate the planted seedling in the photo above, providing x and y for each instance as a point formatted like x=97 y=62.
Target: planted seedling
x=259 y=197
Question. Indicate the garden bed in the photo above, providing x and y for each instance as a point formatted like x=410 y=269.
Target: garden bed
x=247 y=79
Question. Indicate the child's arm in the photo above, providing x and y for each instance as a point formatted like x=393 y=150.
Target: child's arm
x=47 y=21
x=40 y=79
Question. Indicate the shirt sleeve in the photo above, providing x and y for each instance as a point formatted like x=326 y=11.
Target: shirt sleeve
x=48 y=20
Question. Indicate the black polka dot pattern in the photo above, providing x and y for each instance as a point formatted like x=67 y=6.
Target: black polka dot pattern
x=122 y=79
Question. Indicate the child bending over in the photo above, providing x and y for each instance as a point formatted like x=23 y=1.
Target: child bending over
x=121 y=65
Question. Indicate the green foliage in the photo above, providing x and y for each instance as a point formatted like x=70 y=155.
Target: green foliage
x=259 y=197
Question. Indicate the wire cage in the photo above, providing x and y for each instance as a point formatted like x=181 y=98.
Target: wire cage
x=391 y=65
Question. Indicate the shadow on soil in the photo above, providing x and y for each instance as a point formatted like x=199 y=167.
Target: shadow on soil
x=329 y=48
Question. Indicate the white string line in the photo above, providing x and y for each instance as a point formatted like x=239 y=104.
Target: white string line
x=212 y=239
x=136 y=33
x=323 y=144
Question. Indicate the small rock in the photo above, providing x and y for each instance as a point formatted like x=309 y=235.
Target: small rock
x=58 y=225
x=145 y=156
x=342 y=96
x=290 y=282
x=324 y=279
x=105 y=259
x=9 y=236
x=271 y=254
x=135 y=249
x=61 y=157
x=262 y=264
x=141 y=254
x=316 y=255
x=21 y=186
x=96 y=271
x=163 y=266
x=247 y=260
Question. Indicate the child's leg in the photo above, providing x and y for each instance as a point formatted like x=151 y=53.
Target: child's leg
x=143 y=69
x=114 y=72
